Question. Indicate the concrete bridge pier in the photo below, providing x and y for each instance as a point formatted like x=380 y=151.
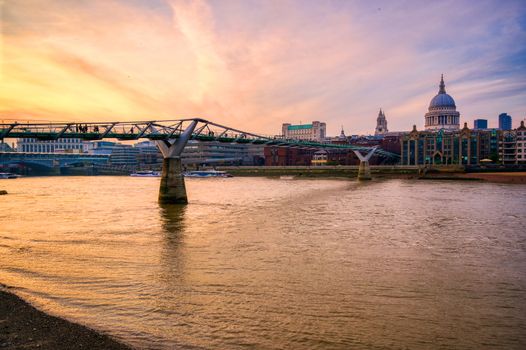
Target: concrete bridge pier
x=172 y=189
x=364 y=171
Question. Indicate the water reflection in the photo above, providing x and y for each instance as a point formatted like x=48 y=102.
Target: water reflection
x=270 y=264
x=172 y=254
x=172 y=218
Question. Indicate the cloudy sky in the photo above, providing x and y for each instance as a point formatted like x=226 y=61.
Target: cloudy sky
x=256 y=64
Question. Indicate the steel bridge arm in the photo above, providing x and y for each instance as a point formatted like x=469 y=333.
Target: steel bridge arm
x=143 y=131
x=108 y=129
x=7 y=131
x=64 y=129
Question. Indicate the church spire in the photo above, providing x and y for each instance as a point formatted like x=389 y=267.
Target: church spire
x=442 y=86
x=381 y=123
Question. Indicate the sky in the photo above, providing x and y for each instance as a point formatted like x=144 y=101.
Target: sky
x=257 y=64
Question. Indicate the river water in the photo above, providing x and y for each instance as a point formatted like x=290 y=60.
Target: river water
x=265 y=263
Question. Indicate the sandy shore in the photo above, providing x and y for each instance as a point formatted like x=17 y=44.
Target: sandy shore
x=24 y=327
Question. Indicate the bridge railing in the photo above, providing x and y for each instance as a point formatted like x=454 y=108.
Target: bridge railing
x=162 y=130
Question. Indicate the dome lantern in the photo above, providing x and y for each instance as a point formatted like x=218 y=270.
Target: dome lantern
x=442 y=89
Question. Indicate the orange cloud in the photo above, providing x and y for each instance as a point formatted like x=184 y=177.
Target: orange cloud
x=253 y=65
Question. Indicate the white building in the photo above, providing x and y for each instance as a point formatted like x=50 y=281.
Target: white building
x=123 y=154
x=521 y=144
x=315 y=131
x=63 y=145
x=215 y=152
x=99 y=147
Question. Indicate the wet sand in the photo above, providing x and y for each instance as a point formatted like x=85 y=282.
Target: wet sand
x=24 y=327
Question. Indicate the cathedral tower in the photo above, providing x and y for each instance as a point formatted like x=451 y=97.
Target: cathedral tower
x=381 y=124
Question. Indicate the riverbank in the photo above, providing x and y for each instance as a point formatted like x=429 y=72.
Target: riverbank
x=509 y=178
x=378 y=172
x=349 y=171
x=24 y=327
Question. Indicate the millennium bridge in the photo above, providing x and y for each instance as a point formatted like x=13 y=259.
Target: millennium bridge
x=171 y=137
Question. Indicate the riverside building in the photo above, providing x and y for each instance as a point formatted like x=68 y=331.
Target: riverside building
x=216 y=153
x=512 y=145
x=316 y=131
x=445 y=147
x=149 y=154
x=521 y=143
x=123 y=154
x=464 y=147
x=65 y=145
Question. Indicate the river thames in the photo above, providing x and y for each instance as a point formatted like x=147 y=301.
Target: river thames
x=266 y=263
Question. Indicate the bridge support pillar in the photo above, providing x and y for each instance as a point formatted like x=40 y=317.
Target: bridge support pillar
x=172 y=189
x=364 y=171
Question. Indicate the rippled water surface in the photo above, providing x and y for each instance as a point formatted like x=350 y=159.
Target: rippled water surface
x=273 y=264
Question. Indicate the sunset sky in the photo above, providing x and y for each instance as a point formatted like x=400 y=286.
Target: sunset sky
x=257 y=64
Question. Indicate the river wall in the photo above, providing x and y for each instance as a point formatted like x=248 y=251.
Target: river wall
x=320 y=171
x=451 y=172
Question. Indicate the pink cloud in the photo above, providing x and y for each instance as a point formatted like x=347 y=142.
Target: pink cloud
x=254 y=65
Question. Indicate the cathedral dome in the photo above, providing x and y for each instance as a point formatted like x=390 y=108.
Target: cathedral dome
x=442 y=99
x=442 y=114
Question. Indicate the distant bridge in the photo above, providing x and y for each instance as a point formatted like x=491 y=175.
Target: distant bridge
x=49 y=162
x=171 y=137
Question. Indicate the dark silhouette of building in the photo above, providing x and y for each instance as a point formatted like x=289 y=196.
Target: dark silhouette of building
x=504 y=121
x=283 y=156
x=480 y=124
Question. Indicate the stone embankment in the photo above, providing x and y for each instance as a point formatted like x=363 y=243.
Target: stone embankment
x=511 y=176
x=449 y=172
x=349 y=171
x=502 y=177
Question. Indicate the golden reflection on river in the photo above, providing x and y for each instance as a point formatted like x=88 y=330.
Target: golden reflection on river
x=273 y=264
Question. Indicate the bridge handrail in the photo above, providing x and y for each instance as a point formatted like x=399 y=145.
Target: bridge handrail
x=162 y=129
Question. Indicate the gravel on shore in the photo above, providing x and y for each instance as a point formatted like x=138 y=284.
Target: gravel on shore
x=24 y=327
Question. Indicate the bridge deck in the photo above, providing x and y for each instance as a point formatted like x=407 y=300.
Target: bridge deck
x=161 y=130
